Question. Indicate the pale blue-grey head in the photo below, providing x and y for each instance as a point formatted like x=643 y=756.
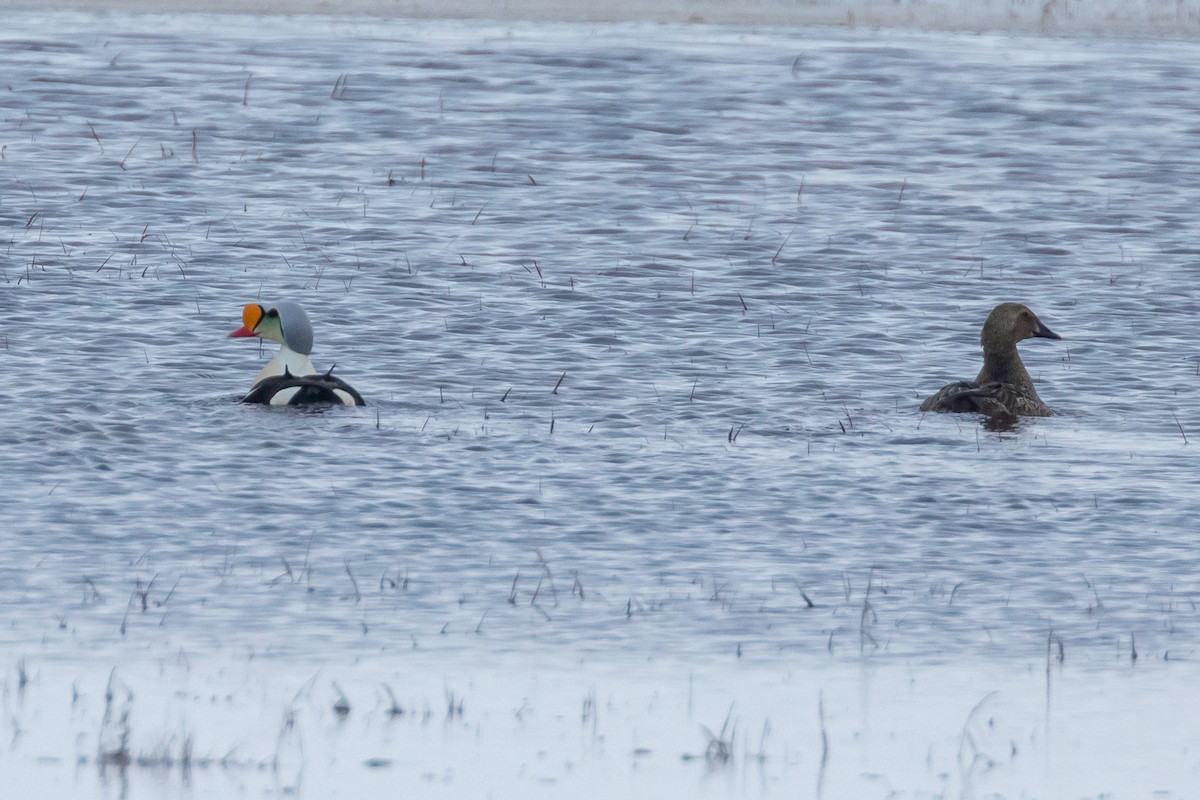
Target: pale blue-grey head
x=297 y=330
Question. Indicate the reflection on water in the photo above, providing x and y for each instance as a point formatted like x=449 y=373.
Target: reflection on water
x=644 y=314
x=547 y=729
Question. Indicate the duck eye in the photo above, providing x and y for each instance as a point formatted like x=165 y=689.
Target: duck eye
x=273 y=312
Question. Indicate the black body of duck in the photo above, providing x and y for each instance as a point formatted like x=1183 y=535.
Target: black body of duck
x=290 y=378
x=310 y=389
x=1003 y=387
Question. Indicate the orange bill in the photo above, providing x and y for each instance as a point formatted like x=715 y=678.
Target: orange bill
x=252 y=314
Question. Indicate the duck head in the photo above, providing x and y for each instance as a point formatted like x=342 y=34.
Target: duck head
x=1010 y=323
x=285 y=322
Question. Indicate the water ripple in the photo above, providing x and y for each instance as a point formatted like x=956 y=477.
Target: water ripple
x=643 y=315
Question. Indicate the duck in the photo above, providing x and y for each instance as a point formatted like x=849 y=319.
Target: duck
x=1003 y=388
x=290 y=379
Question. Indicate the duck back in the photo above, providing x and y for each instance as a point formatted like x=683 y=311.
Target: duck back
x=308 y=390
x=994 y=398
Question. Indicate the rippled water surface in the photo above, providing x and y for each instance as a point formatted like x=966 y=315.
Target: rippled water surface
x=642 y=316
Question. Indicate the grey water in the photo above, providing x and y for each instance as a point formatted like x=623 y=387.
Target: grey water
x=642 y=314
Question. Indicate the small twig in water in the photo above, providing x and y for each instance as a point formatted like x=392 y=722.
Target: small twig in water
x=1181 y=433
x=357 y=594
x=341 y=706
x=824 y=738
x=127 y=155
x=775 y=257
x=96 y=137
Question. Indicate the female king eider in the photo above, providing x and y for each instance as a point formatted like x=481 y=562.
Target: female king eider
x=1003 y=388
x=290 y=379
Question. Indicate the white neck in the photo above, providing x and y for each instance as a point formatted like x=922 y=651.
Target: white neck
x=295 y=363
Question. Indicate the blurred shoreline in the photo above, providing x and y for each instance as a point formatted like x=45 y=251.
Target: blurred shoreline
x=1180 y=18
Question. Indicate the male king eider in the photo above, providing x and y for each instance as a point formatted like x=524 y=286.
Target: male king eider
x=290 y=379
x=1003 y=387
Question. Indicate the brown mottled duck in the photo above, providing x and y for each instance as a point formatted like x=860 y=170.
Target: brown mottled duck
x=1003 y=387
